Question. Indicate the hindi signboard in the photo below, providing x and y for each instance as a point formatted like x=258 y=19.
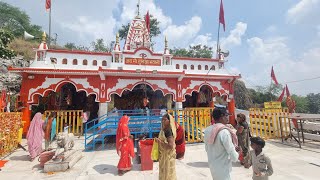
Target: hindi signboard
x=141 y=61
x=272 y=105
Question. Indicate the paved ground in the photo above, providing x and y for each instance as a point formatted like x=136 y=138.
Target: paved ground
x=289 y=163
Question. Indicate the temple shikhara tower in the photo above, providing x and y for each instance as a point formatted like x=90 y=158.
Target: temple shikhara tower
x=129 y=77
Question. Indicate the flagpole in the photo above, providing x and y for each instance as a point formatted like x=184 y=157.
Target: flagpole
x=271 y=90
x=49 y=42
x=218 y=39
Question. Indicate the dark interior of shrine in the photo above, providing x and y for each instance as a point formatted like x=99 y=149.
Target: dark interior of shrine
x=68 y=99
x=199 y=99
x=136 y=99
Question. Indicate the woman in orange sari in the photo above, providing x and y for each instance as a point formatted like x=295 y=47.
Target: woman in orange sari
x=180 y=141
x=124 y=146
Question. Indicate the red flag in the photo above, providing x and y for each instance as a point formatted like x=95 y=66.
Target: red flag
x=289 y=101
x=273 y=76
x=287 y=91
x=48 y=4
x=148 y=21
x=221 y=16
x=281 y=95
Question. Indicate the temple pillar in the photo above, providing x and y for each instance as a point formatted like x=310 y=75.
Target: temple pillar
x=103 y=108
x=26 y=107
x=178 y=105
x=232 y=111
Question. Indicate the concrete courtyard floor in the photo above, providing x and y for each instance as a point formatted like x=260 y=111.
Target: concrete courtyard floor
x=288 y=163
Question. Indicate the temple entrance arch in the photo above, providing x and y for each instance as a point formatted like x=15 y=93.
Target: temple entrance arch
x=142 y=95
x=66 y=97
x=201 y=98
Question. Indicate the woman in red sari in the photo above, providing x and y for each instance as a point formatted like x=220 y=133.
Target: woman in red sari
x=124 y=145
x=180 y=142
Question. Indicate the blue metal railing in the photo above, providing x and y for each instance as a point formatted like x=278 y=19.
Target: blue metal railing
x=141 y=122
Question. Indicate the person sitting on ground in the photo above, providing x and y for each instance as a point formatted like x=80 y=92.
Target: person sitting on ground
x=260 y=162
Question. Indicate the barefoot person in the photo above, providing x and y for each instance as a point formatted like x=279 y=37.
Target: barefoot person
x=124 y=145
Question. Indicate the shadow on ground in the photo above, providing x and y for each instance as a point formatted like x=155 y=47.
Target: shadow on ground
x=106 y=169
x=20 y=158
x=198 y=164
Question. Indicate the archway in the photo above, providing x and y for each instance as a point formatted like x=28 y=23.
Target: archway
x=140 y=97
x=203 y=98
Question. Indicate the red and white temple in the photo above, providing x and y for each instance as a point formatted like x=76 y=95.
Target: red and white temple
x=67 y=79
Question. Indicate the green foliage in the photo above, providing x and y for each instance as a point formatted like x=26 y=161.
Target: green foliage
x=313 y=103
x=5 y=38
x=73 y=46
x=16 y=21
x=154 y=29
x=24 y=48
x=197 y=51
x=301 y=104
x=242 y=95
x=99 y=46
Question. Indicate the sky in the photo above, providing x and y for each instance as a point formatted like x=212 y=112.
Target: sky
x=259 y=34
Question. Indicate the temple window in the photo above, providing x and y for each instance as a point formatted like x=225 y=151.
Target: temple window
x=213 y=67
x=199 y=67
x=64 y=61
x=206 y=67
x=184 y=66
x=75 y=62
x=104 y=63
x=94 y=63
x=177 y=66
x=192 y=67
x=85 y=62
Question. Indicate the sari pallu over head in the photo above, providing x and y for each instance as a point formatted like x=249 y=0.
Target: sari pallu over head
x=172 y=126
x=35 y=135
x=122 y=136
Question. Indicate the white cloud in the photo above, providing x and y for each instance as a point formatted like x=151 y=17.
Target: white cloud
x=304 y=11
x=272 y=29
x=268 y=51
x=234 y=37
x=274 y=51
x=180 y=36
x=129 y=11
x=232 y=40
x=89 y=28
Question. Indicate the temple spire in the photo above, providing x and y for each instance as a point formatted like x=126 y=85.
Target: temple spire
x=138 y=9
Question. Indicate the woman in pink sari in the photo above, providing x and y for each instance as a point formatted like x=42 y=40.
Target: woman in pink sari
x=35 y=136
x=124 y=146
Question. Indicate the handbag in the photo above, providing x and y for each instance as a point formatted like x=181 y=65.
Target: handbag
x=155 y=151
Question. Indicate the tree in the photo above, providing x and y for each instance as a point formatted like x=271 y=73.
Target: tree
x=99 y=46
x=301 y=103
x=242 y=95
x=16 y=21
x=313 y=103
x=154 y=29
x=197 y=51
x=73 y=46
x=5 y=38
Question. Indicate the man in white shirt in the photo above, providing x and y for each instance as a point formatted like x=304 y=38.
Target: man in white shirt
x=221 y=146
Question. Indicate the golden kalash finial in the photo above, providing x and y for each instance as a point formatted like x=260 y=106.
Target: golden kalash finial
x=44 y=37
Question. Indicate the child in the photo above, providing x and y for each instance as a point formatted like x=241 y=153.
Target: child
x=261 y=163
x=243 y=137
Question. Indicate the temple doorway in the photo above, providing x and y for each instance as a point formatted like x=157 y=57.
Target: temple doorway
x=203 y=98
x=140 y=97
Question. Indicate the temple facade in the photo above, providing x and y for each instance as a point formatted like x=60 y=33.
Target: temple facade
x=129 y=77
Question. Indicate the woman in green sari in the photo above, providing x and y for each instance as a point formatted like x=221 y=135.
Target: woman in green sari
x=167 y=151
